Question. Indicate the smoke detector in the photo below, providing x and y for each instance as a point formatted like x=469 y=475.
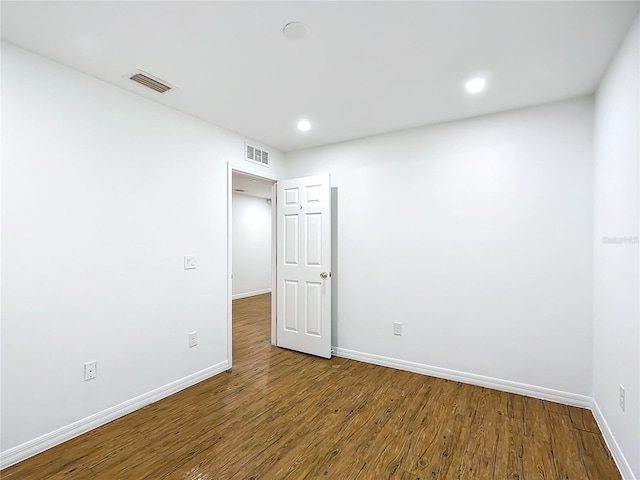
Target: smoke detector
x=295 y=30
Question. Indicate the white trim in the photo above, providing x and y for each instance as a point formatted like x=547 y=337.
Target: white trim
x=251 y=294
x=274 y=278
x=51 y=439
x=229 y=264
x=542 y=393
x=614 y=448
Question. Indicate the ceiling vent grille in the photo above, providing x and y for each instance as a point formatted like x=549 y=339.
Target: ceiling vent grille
x=255 y=155
x=148 y=81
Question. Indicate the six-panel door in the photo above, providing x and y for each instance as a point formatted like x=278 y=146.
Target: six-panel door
x=303 y=313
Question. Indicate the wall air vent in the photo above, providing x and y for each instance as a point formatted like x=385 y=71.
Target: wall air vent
x=149 y=81
x=255 y=155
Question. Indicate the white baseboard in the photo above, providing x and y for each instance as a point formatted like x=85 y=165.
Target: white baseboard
x=542 y=393
x=250 y=294
x=40 y=444
x=614 y=448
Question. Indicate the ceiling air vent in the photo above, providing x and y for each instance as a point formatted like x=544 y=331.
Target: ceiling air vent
x=149 y=81
x=255 y=155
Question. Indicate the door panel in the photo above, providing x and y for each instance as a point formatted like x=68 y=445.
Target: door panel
x=291 y=305
x=303 y=310
x=291 y=239
x=313 y=235
x=314 y=309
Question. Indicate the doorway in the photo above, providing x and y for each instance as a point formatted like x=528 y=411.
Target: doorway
x=301 y=234
x=251 y=237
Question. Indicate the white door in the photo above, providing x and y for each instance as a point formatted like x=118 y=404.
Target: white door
x=303 y=258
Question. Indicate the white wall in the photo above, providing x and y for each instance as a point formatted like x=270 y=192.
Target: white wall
x=616 y=265
x=477 y=236
x=103 y=192
x=251 y=245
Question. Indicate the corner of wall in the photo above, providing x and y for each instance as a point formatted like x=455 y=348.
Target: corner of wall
x=612 y=444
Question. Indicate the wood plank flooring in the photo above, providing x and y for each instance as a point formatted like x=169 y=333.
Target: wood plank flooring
x=283 y=415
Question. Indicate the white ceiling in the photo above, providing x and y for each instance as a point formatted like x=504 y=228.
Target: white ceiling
x=364 y=69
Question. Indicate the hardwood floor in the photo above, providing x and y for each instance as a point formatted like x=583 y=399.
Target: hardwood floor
x=283 y=415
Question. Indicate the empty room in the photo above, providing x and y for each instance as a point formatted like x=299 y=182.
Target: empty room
x=301 y=240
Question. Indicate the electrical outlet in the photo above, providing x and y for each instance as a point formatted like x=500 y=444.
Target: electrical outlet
x=189 y=262
x=90 y=370
x=397 y=328
x=193 y=339
x=622 y=398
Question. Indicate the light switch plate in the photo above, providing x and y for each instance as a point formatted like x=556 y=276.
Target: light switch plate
x=189 y=262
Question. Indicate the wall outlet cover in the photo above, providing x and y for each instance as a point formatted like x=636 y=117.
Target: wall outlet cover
x=90 y=370
x=397 y=328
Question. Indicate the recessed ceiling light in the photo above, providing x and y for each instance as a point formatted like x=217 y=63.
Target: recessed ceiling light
x=304 y=125
x=295 y=30
x=475 y=85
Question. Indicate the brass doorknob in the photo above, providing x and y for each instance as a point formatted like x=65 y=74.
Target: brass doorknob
x=324 y=275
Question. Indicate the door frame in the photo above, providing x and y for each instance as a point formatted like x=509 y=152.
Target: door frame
x=230 y=169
